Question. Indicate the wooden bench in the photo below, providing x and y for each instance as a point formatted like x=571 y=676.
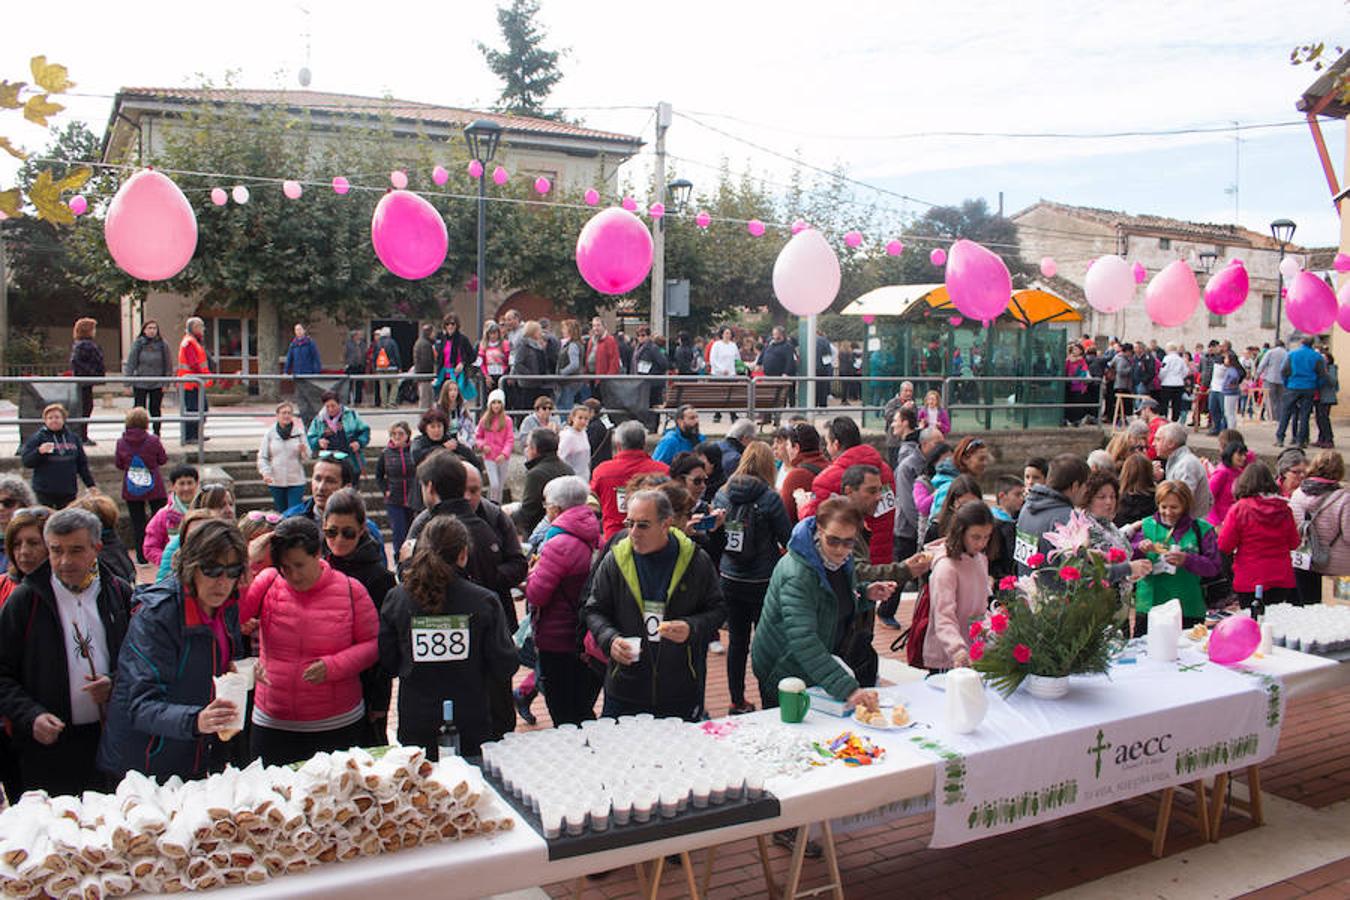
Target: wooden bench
x=726 y=395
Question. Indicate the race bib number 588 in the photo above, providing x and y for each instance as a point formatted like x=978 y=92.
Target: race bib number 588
x=440 y=639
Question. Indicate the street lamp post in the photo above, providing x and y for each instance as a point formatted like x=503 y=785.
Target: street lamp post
x=482 y=136
x=1282 y=230
x=677 y=192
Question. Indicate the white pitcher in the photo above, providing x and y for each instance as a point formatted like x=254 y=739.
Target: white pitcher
x=966 y=700
x=1164 y=631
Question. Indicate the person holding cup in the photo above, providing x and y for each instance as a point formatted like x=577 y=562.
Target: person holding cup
x=164 y=717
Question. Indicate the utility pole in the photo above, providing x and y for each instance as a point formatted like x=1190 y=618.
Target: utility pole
x=4 y=309
x=663 y=115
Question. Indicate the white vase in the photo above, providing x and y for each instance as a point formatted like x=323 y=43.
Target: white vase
x=1045 y=687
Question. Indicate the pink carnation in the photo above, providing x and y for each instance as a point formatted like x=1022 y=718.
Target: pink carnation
x=1069 y=573
x=977 y=650
x=1022 y=653
x=975 y=629
x=1007 y=583
x=1036 y=559
x=1115 y=555
x=998 y=623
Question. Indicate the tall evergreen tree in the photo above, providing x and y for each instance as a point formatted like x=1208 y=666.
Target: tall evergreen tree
x=528 y=71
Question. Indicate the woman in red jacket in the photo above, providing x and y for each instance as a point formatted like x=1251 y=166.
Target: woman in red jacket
x=318 y=632
x=1259 y=531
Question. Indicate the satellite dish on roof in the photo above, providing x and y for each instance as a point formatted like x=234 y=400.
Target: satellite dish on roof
x=304 y=76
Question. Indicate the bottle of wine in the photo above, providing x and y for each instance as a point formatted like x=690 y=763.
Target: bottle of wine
x=1259 y=604
x=448 y=739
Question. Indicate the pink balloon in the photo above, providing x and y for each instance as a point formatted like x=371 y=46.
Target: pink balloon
x=978 y=281
x=806 y=274
x=938 y=257
x=1048 y=267
x=629 y=204
x=954 y=321
x=853 y=239
x=1172 y=295
x=341 y=185
x=1109 y=285
x=1227 y=290
x=439 y=175
x=542 y=185
x=614 y=251
x=799 y=225
x=656 y=210
x=292 y=189
x=475 y=169
x=500 y=176
x=703 y=220
x=1234 y=639
x=592 y=196
x=894 y=248
x=1312 y=304
x=78 y=205
x=399 y=179
x=1343 y=311
x=755 y=227
x=150 y=229
x=219 y=197
x=1342 y=262
x=1140 y=273
x=409 y=235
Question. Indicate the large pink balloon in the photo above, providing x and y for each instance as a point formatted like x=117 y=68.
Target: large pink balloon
x=614 y=251
x=702 y=220
x=475 y=169
x=1172 y=295
x=977 y=281
x=500 y=176
x=150 y=230
x=1109 y=285
x=1312 y=304
x=1227 y=290
x=409 y=235
x=1234 y=639
x=806 y=274
x=1343 y=311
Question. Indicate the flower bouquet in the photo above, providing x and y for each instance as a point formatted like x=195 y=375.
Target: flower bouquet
x=1064 y=619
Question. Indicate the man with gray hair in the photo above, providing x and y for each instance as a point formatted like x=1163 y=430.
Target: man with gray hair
x=1184 y=466
x=655 y=589
x=192 y=360
x=609 y=479
x=60 y=633
x=734 y=444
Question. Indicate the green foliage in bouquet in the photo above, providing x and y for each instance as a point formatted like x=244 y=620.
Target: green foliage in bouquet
x=1064 y=619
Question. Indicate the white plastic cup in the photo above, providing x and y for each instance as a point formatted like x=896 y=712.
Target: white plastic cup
x=702 y=791
x=600 y=815
x=670 y=803
x=754 y=786
x=575 y=819
x=634 y=646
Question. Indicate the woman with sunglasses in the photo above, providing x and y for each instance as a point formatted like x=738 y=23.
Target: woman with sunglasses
x=349 y=548
x=14 y=494
x=164 y=717
x=542 y=417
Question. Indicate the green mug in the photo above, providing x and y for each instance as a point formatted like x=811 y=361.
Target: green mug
x=793 y=701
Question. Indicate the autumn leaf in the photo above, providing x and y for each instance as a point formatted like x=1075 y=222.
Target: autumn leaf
x=9 y=94
x=11 y=149
x=11 y=203
x=51 y=77
x=74 y=180
x=45 y=195
x=39 y=107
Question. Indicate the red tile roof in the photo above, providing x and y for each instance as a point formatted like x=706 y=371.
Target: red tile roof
x=1196 y=231
x=322 y=101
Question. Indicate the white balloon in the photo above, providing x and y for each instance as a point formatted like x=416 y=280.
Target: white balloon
x=1109 y=285
x=806 y=274
x=240 y=194
x=1289 y=267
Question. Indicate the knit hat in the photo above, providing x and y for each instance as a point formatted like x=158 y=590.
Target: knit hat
x=498 y=394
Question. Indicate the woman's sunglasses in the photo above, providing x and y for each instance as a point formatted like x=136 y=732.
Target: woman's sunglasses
x=347 y=534
x=837 y=542
x=333 y=454
x=270 y=518
x=216 y=570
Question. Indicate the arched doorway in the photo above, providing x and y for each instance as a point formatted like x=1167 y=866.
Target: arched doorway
x=529 y=306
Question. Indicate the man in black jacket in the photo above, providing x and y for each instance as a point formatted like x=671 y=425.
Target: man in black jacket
x=542 y=465
x=60 y=634
x=657 y=592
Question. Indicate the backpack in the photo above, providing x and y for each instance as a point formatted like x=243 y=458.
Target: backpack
x=912 y=638
x=1312 y=554
x=382 y=360
x=139 y=480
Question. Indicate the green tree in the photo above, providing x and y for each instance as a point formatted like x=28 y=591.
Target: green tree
x=939 y=227
x=528 y=71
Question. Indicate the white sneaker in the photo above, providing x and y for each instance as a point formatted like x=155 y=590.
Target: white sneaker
x=716 y=647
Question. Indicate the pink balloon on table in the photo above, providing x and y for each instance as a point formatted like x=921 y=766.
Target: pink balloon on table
x=240 y=194
x=806 y=274
x=1234 y=639
x=1109 y=285
x=542 y=185
x=399 y=179
x=1312 y=304
x=703 y=220
x=219 y=197
x=799 y=225
x=439 y=175
x=1342 y=262
x=614 y=251
x=292 y=189
x=78 y=205
x=894 y=248
x=1048 y=267
x=656 y=210
x=409 y=235
x=592 y=197
x=978 y=281
x=938 y=257
x=475 y=169
x=341 y=185
x=500 y=176
x=853 y=239
x=1227 y=289
x=150 y=229
x=755 y=227
x=1140 y=273
x=1172 y=295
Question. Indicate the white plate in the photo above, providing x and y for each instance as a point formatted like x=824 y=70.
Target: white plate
x=885 y=711
x=937 y=682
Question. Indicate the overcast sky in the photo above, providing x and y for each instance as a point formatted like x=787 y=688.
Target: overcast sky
x=828 y=82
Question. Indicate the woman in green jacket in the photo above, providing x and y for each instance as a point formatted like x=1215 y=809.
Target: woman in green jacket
x=815 y=610
x=1184 y=551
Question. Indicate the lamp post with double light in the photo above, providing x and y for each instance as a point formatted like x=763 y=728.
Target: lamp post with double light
x=1282 y=230
x=482 y=136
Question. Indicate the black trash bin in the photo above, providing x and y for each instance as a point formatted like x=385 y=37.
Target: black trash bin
x=34 y=396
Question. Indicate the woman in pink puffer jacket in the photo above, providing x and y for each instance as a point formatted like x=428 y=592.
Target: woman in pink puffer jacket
x=318 y=631
x=553 y=594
